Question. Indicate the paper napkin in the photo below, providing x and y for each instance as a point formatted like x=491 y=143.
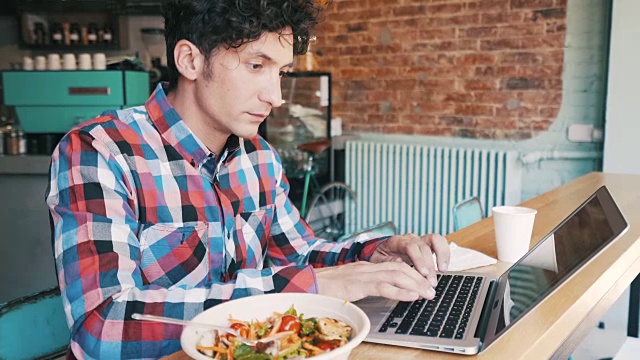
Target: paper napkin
x=463 y=258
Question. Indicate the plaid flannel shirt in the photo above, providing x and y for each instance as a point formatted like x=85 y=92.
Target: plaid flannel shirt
x=148 y=220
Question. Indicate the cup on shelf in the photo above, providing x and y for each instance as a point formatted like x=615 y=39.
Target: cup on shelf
x=69 y=62
x=99 y=61
x=27 y=63
x=53 y=62
x=40 y=63
x=84 y=62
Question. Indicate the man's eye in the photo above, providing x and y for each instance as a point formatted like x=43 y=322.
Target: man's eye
x=255 y=66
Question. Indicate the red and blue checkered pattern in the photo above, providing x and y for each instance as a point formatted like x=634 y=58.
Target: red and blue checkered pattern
x=148 y=220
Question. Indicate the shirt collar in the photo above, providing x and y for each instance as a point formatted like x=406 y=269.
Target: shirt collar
x=171 y=127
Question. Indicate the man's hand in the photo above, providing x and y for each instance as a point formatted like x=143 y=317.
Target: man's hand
x=417 y=251
x=389 y=273
x=394 y=280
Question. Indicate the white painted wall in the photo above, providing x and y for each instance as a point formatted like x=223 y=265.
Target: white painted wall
x=622 y=122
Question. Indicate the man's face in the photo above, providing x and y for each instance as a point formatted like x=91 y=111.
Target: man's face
x=241 y=85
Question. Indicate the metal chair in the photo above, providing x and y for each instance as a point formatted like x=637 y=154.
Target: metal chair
x=467 y=212
x=34 y=326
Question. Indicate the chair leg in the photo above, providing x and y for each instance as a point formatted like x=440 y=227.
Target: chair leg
x=634 y=307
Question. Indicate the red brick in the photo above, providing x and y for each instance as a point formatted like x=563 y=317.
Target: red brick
x=520 y=30
x=549 y=112
x=434 y=131
x=444 y=9
x=480 y=84
x=494 y=122
x=449 y=120
x=488 y=5
x=551 y=41
x=523 y=84
x=540 y=125
x=476 y=59
x=478 y=32
x=457 y=97
x=531 y=4
x=540 y=71
x=502 y=18
x=384 y=3
x=520 y=58
x=409 y=10
x=437 y=34
x=498 y=71
x=493 y=97
x=558 y=13
x=469 y=109
x=500 y=44
x=455 y=20
x=522 y=111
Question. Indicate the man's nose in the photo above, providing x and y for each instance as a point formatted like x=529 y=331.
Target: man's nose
x=272 y=92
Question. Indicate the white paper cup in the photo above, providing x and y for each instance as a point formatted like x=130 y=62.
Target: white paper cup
x=513 y=226
x=69 y=62
x=84 y=62
x=53 y=62
x=40 y=63
x=27 y=63
x=99 y=61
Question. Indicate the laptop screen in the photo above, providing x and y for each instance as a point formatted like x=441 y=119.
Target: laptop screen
x=583 y=234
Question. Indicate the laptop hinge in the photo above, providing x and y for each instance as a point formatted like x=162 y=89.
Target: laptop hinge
x=483 y=323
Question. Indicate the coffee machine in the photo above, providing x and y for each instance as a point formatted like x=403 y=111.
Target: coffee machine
x=48 y=104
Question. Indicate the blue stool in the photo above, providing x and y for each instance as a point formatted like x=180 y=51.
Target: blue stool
x=33 y=326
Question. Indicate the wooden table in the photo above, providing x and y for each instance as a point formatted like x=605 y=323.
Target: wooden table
x=559 y=323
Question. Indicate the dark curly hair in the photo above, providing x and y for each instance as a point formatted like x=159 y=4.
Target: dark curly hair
x=232 y=23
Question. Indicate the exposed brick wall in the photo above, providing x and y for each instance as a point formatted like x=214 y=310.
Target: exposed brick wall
x=479 y=69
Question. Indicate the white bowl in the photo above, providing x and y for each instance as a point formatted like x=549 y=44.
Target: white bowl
x=259 y=307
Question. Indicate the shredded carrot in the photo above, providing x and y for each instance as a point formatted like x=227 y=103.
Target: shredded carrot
x=232 y=349
x=213 y=348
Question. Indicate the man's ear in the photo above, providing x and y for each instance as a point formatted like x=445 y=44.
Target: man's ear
x=189 y=60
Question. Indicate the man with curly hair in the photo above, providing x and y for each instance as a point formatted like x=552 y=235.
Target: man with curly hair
x=173 y=207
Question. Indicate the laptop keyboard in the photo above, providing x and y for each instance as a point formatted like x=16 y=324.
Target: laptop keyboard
x=446 y=315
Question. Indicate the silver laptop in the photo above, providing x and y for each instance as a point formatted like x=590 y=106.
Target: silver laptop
x=471 y=310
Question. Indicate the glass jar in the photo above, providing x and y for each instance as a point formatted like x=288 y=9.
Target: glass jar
x=12 y=142
x=92 y=33
x=74 y=34
x=57 y=37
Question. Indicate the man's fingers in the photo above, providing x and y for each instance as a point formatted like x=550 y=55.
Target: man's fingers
x=440 y=247
x=404 y=277
x=394 y=293
x=420 y=255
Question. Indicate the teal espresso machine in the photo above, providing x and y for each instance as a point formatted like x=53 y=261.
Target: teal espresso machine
x=48 y=104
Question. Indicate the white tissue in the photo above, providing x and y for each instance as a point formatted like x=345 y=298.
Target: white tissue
x=464 y=258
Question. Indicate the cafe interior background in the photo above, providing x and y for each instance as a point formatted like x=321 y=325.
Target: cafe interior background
x=516 y=97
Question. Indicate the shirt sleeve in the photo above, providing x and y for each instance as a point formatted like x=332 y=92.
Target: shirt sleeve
x=92 y=200
x=293 y=241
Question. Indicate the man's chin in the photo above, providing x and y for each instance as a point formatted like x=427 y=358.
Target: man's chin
x=247 y=134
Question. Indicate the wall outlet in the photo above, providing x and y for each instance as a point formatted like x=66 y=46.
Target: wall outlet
x=580 y=133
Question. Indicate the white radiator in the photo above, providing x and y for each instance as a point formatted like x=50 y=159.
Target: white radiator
x=416 y=186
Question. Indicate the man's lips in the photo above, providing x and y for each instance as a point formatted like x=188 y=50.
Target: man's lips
x=259 y=115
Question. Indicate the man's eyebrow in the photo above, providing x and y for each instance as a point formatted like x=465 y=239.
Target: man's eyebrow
x=270 y=59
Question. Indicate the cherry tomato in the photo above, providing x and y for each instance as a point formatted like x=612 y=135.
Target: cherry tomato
x=290 y=323
x=241 y=328
x=327 y=345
